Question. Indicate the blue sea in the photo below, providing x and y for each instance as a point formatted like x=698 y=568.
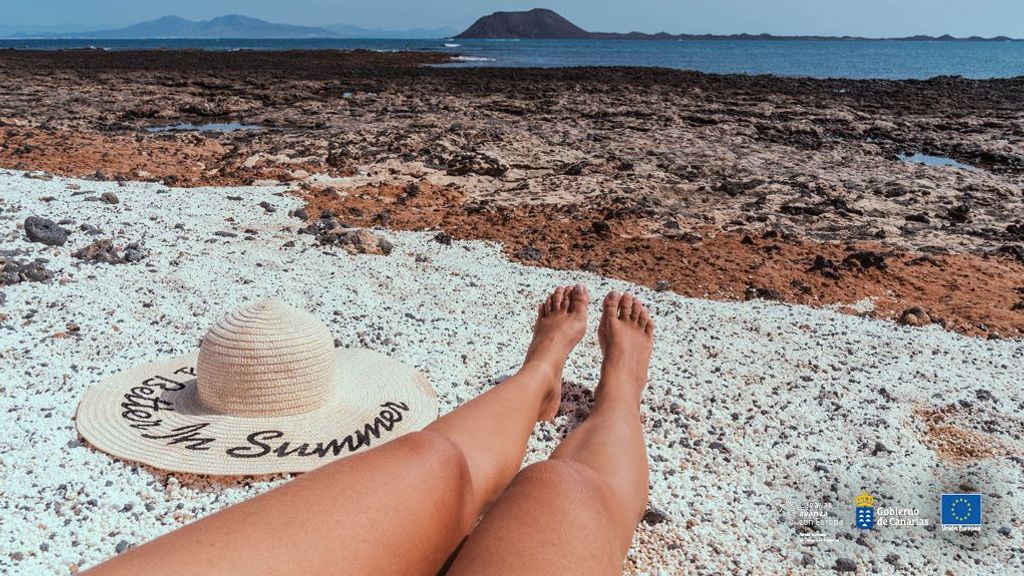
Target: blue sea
x=892 y=59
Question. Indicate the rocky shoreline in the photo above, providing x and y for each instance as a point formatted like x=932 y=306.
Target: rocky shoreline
x=725 y=187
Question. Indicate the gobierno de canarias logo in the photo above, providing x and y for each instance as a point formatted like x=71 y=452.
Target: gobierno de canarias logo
x=864 y=517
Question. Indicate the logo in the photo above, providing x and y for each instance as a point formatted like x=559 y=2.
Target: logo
x=865 y=514
x=813 y=521
x=961 y=511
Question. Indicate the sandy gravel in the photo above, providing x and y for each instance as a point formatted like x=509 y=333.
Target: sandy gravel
x=753 y=408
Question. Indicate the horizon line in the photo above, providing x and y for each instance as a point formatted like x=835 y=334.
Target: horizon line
x=69 y=35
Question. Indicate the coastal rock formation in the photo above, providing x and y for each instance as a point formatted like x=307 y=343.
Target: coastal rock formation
x=701 y=184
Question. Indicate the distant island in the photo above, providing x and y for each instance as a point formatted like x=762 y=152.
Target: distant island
x=236 y=26
x=541 y=23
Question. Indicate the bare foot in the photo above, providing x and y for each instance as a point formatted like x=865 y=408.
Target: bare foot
x=561 y=323
x=626 y=334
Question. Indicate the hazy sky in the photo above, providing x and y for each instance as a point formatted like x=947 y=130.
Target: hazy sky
x=832 y=17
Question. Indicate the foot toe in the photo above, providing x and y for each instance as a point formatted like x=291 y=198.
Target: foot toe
x=611 y=302
x=626 y=306
x=579 y=298
x=558 y=296
x=643 y=318
x=552 y=302
x=566 y=298
x=636 y=310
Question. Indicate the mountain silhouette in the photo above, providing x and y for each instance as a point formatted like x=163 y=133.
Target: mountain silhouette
x=536 y=23
x=230 y=26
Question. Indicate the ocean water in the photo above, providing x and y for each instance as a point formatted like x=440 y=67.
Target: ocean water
x=816 y=58
x=212 y=127
x=930 y=160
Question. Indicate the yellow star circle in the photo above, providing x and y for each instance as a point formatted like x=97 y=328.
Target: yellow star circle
x=953 y=509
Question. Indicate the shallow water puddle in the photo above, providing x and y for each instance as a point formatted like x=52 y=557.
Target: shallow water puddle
x=929 y=160
x=213 y=127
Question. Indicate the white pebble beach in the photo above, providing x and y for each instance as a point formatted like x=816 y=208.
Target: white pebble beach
x=753 y=409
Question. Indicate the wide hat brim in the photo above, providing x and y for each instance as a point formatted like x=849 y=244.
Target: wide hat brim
x=152 y=414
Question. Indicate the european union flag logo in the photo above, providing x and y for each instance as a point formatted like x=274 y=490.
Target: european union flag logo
x=961 y=509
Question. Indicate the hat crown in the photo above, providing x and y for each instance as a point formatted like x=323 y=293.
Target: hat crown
x=266 y=359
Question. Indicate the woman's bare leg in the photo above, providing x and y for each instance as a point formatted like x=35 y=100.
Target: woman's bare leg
x=401 y=508
x=576 y=512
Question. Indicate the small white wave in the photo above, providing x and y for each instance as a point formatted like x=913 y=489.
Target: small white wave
x=449 y=45
x=473 y=59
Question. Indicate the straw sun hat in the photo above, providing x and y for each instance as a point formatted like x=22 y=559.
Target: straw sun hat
x=266 y=392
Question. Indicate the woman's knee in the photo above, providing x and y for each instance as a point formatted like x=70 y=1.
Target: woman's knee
x=435 y=452
x=582 y=489
x=567 y=481
x=437 y=461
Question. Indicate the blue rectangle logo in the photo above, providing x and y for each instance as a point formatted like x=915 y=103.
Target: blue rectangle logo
x=961 y=509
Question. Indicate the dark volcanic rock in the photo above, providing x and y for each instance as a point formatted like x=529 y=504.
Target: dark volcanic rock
x=321 y=226
x=760 y=293
x=914 y=316
x=15 y=271
x=476 y=163
x=99 y=251
x=984 y=395
x=825 y=266
x=104 y=251
x=654 y=516
x=736 y=187
x=135 y=252
x=356 y=241
x=1015 y=231
x=865 y=259
x=530 y=253
x=109 y=198
x=845 y=565
x=960 y=213
x=1015 y=251
x=45 y=231
x=803 y=210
